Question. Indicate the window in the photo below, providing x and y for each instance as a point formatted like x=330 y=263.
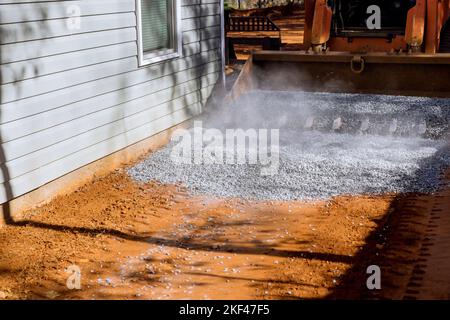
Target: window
x=159 y=34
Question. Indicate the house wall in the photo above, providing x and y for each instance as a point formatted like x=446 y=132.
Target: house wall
x=72 y=91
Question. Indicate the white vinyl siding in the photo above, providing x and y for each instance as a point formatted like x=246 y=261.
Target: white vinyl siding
x=71 y=97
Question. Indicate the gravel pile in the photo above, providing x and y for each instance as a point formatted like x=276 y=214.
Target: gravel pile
x=329 y=144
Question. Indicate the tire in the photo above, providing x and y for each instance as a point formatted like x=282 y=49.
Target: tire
x=444 y=45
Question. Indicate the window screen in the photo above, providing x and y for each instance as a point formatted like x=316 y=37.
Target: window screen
x=156 y=17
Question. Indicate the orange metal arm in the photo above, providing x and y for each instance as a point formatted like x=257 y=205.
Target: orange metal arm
x=321 y=27
x=309 y=17
x=415 y=25
x=437 y=15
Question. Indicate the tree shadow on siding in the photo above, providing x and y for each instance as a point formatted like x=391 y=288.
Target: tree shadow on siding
x=7 y=218
x=200 y=61
x=15 y=76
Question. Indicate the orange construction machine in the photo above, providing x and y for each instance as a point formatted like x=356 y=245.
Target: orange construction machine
x=367 y=46
x=378 y=26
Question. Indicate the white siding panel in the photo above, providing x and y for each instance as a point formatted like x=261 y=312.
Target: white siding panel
x=70 y=96
x=65 y=130
x=11 y=13
x=83 y=157
x=29 y=50
x=41 y=121
x=14 y=72
x=113 y=122
x=36 y=86
x=27 y=31
x=43 y=102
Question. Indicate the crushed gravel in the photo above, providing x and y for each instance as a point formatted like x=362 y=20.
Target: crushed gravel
x=329 y=144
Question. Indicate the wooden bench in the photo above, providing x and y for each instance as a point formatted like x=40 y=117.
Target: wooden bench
x=251 y=30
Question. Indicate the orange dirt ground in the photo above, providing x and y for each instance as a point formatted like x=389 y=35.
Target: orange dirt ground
x=152 y=241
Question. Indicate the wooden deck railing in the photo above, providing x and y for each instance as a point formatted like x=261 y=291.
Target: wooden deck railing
x=249 y=24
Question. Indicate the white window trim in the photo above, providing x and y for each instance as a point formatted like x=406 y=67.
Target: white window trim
x=158 y=56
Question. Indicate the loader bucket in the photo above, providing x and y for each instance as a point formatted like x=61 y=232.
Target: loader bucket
x=343 y=72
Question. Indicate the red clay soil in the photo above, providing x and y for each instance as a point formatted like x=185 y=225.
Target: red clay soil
x=152 y=241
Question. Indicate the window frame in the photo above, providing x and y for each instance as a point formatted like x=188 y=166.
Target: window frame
x=146 y=58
